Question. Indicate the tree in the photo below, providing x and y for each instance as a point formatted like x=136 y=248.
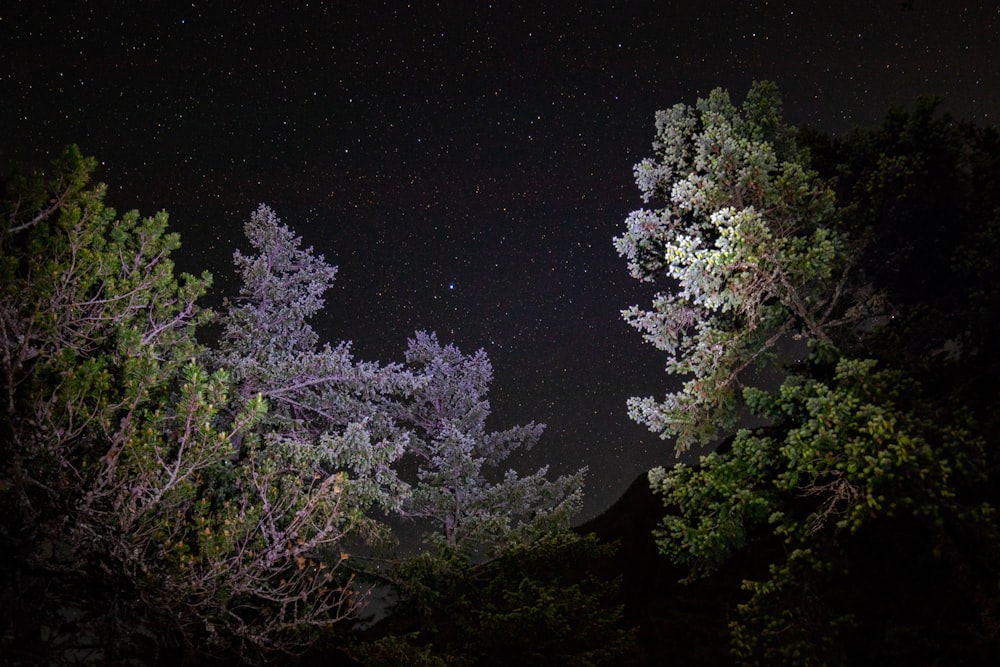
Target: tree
x=148 y=499
x=924 y=189
x=467 y=505
x=311 y=471
x=844 y=462
x=505 y=580
x=746 y=243
x=106 y=422
x=319 y=397
x=857 y=457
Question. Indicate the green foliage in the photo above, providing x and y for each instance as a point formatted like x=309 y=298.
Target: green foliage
x=856 y=453
x=145 y=495
x=840 y=456
x=94 y=344
x=536 y=604
x=719 y=504
x=402 y=651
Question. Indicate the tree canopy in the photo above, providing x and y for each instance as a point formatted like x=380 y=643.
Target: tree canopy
x=826 y=306
x=743 y=241
x=160 y=492
x=863 y=252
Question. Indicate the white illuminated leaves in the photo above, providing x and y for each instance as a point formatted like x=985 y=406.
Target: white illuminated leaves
x=738 y=246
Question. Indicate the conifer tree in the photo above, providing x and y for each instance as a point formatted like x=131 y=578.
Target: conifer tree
x=151 y=499
x=319 y=397
x=461 y=492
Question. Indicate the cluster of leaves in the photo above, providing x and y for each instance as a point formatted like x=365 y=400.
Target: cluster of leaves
x=157 y=492
x=122 y=458
x=745 y=244
x=95 y=329
x=879 y=435
x=535 y=604
x=840 y=458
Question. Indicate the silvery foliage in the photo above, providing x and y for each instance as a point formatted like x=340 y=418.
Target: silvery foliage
x=321 y=401
x=461 y=491
x=744 y=248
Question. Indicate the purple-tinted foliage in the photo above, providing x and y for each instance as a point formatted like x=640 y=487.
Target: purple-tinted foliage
x=461 y=494
x=316 y=394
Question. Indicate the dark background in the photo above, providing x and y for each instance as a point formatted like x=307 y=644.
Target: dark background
x=465 y=164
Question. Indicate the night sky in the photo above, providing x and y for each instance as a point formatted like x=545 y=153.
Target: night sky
x=465 y=164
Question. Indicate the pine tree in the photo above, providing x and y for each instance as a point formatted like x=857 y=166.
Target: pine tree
x=319 y=397
x=149 y=498
x=460 y=491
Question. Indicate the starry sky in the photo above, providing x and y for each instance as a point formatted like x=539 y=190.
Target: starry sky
x=465 y=164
